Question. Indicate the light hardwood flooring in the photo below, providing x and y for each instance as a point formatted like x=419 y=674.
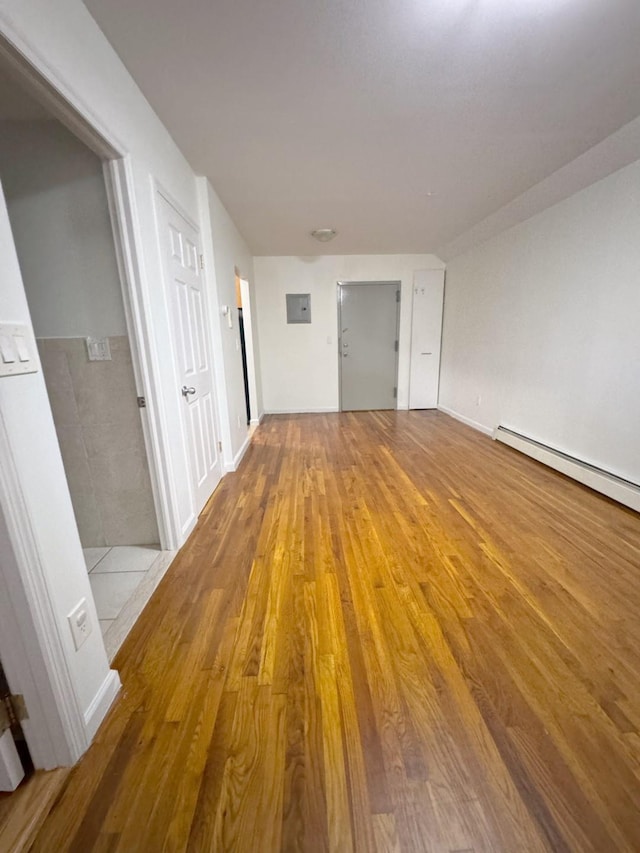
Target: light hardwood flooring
x=387 y=633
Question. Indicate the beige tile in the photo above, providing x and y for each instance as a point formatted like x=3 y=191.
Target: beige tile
x=88 y=519
x=92 y=556
x=80 y=482
x=128 y=558
x=123 y=490
x=111 y=591
x=104 y=390
x=57 y=378
x=108 y=439
x=122 y=527
x=120 y=472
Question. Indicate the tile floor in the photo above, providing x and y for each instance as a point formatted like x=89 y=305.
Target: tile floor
x=115 y=573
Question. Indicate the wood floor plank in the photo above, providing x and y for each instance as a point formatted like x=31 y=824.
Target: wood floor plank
x=386 y=633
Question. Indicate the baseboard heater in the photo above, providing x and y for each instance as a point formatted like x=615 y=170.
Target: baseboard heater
x=621 y=490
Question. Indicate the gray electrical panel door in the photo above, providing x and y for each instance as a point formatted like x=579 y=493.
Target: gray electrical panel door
x=368 y=335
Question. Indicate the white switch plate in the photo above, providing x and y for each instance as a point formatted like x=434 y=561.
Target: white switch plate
x=18 y=353
x=80 y=623
x=98 y=349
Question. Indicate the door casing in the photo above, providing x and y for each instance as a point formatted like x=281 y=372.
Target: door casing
x=397 y=284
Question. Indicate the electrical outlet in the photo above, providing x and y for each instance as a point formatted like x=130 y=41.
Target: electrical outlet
x=478 y=400
x=80 y=623
x=239 y=422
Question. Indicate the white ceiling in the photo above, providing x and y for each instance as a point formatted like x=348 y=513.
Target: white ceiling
x=347 y=113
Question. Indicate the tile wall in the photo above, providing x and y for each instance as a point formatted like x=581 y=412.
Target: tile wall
x=100 y=433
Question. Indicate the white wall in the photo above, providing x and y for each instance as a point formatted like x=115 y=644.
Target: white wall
x=542 y=326
x=57 y=202
x=64 y=43
x=300 y=362
x=227 y=251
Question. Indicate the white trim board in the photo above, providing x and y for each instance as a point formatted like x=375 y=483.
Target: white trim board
x=465 y=420
x=321 y=411
x=232 y=466
x=601 y=481
x=101 y=702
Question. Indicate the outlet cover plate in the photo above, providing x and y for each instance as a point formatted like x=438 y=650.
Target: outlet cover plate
x=80 y=623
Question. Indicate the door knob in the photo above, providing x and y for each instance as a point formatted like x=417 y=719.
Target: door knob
x=186 y=391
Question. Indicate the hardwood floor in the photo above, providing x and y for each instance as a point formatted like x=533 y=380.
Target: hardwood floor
x=387 y=633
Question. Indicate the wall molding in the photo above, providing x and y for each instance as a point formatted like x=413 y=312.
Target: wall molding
x=302 y=411
x=232 y=466
x=595 y=478
x=465 y=420
x=101 y=702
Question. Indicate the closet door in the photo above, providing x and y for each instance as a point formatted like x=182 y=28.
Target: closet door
x=426 y=333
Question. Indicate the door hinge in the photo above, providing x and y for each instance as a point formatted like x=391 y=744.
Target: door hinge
x=12 y=711
x=396 y=346
x=395 y=391
x=201 y=262
x=142 y=402
x=220 y=446
x=397 y=296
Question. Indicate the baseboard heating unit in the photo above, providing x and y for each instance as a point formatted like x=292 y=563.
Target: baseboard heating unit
x=621 y=490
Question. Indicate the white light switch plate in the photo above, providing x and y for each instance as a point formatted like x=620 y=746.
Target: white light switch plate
x=18 y=353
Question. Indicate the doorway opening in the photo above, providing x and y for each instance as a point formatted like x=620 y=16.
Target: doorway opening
x=59 y=213
x=243 y=348
x=368 y=330
x=247 y=347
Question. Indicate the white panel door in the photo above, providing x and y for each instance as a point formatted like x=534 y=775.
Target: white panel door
x=368 y=315
x=11 y=769
x=426 y=333
x=192 y=350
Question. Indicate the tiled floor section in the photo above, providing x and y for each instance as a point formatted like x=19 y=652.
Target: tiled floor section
x=116 y=576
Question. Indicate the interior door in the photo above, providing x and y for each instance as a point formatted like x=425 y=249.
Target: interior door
x=11 y=769
x=426 y=333
x=187 y=303
x=368 y=341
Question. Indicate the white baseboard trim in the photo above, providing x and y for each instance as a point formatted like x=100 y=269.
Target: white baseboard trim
x=232 y=466
x=254 y=422
x=468 y=421
x=601 y=481
x=302 y=411
x=101 y=702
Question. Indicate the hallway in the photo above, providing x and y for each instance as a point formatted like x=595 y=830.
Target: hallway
x=386 y=633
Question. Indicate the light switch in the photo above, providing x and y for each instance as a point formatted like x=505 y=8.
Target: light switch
x=21 y=347
x=7 y=350
x=17 y=350
x=98 y=349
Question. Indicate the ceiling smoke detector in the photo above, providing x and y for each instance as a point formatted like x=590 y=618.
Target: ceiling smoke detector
x=324 y=234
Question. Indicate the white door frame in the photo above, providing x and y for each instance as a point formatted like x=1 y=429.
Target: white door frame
x=397 y=283
x=30 y=645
